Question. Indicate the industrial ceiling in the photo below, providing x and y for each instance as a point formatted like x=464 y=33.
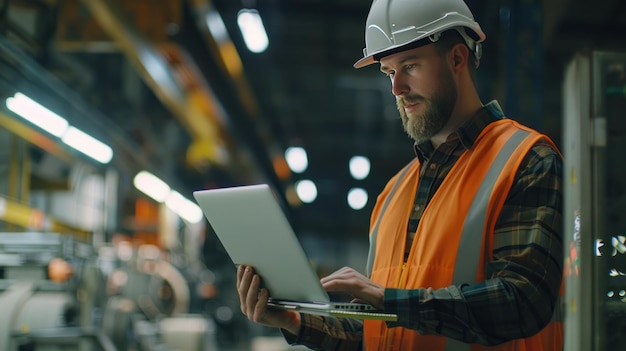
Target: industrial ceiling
x=200 y=110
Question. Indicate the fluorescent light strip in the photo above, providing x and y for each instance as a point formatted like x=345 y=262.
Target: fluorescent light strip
x=158 y=190
x=58 y=126
x=88 y=145
x=253 y=30
x=38 y=115
x=151 y=185
x=186 y=209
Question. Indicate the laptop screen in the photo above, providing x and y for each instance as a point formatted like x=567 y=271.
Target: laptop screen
x=254 y=231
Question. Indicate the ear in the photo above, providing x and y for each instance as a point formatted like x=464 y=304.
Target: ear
x=459 y=56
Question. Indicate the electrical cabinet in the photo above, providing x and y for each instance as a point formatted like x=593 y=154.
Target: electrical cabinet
x=594 y=147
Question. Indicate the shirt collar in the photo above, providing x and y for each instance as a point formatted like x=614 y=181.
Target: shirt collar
x=468 y=132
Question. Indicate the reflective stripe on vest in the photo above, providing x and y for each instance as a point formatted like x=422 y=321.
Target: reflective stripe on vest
x=466 y=266
x=372 y=251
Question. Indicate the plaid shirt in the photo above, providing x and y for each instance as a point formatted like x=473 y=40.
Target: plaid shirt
x=525 y=275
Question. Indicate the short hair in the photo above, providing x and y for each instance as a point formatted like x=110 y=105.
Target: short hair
x=448 y=40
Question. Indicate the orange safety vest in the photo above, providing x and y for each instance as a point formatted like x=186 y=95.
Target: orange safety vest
x=462 y=213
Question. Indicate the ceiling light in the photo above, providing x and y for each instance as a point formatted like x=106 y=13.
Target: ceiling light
x=357 y=198
x=252 y=30
x=359 y=167
x=151 y=185
x=158 y=190
x=183 y=207
x=306 y=190
x=296 y=159
x=88 y=145
x=36 y=114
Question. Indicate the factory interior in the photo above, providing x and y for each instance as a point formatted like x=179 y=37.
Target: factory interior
x=115 y=111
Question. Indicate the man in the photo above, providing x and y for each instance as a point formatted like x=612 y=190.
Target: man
x=466 y=240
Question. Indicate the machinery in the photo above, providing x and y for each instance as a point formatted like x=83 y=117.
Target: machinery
x=57 y=293
x=34 y=309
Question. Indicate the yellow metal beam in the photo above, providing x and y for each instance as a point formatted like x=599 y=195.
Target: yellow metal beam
x=141 y=54
x=14 y=167
x=16 y=213
x=35 y=137
x=160 y=65
x=226 y=55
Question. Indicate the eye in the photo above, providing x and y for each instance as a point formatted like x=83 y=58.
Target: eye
x=409 y=67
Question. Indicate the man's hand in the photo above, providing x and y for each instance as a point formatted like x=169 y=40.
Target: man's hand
x=253 y=302
x=362 y=289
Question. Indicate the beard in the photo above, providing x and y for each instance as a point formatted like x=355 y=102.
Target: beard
x=422 y=127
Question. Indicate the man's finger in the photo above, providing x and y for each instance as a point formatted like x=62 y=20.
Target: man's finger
x=261 y=305
x=253 y=294
x=244 y=287
x=240 y=270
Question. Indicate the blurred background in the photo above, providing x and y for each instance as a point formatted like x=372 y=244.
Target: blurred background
x=114 y=111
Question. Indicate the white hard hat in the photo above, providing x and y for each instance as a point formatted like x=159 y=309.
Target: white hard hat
x=392 y=24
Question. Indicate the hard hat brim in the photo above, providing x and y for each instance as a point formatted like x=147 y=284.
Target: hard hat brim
x=365 y=61
x=375 y=57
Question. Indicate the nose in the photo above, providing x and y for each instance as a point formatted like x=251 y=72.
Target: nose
x=398 y=85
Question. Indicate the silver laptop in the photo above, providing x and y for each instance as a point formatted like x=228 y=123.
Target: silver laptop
x=253 y=229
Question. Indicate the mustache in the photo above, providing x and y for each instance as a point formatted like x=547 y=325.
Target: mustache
x=409 y=100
